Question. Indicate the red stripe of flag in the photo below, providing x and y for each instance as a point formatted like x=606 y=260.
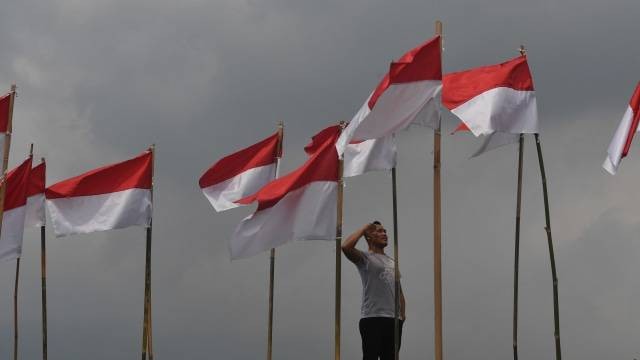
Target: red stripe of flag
x=415 y=65
x=260 y=154
x=634 y=103
x=130 y=174
x=460 y=87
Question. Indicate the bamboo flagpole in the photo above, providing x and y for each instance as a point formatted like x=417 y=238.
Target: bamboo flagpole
x=146 y=326
x=43 y=275
x=396 y=330
x=517 y=249
x=338 y=292
x=556 y=306
x=3 y=189
x=272 y=255
x=437 y=232
x=6 y=148
x=15 y=293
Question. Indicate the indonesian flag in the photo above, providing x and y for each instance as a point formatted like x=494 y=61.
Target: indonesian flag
x=241 y=174
x=300 y=205
x=14 y=211
x=494 y=98
x=111 y=197
x=35 y=197
x=360 y=156
x=621 y=141
x=5 y=114
x=411 y=86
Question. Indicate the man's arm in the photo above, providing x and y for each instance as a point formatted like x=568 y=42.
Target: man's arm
x=349 y=245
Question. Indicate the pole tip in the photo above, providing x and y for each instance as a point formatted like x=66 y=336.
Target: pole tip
x=522 y=50
x=438 y=27
x=13 y=87
x=31 y=149
x=42 y=159
x=280 y=124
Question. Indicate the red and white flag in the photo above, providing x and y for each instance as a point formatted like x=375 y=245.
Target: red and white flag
x=111 y=197
x=360 y=156
x=241 y=174
x=494 y=98
x=15 y=202
x=35 y=197
x=5 y=114
x=621 y=142
x=411 y=86
x=298 y=206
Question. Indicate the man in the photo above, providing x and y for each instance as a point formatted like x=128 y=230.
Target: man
x=378 y=296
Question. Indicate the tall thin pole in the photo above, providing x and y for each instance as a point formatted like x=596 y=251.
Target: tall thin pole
x=3 y=189
x=15 y=311
x=150 y=331
x=437 y=232
x=146 y=326
x=6 y=148
x=43 y=275
x=15 y=292
x=517 y=249
x=338 y=292
x=272 y=256
x=396 y=330
x=556 y=306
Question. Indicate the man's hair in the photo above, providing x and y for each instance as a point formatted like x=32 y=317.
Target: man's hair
x=374 y=222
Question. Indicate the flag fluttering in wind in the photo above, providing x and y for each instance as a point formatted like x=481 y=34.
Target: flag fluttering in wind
x=301 y=205
x=35 y=216
x=621 y=142
x=111 y=197
x=360 y=156
x=494 y=98
x=241 y=174
x=411 y=86
x=5 y=119
x=5 y=112
x=14 y=211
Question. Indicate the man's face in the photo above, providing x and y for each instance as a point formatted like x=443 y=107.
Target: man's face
x=378 y=237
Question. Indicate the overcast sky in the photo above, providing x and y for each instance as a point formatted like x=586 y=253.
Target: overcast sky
x=100 y=80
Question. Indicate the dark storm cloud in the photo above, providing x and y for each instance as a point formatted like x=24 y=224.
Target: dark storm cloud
x=101 y=80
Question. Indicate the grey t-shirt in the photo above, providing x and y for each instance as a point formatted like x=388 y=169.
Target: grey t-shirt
x=378 y=289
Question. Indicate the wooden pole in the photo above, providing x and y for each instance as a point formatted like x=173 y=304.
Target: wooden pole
x=150 y=332
x=396 y=330
x=556 y=306
x=6 y=148
x=437 y=232
x=43 y=275
x=147 y=276
x=272 y=256
x=272 y=260
x=15 y=311
x=338 y=292
x=517 y=249
x=15 y=293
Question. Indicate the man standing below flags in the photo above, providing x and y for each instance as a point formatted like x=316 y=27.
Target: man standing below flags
x=378 y=292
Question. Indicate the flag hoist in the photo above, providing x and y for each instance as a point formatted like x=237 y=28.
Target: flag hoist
x=499 y=101
x=111 y=197
x=242 y=174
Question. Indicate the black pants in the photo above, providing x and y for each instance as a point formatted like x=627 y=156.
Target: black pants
x=378 y=338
